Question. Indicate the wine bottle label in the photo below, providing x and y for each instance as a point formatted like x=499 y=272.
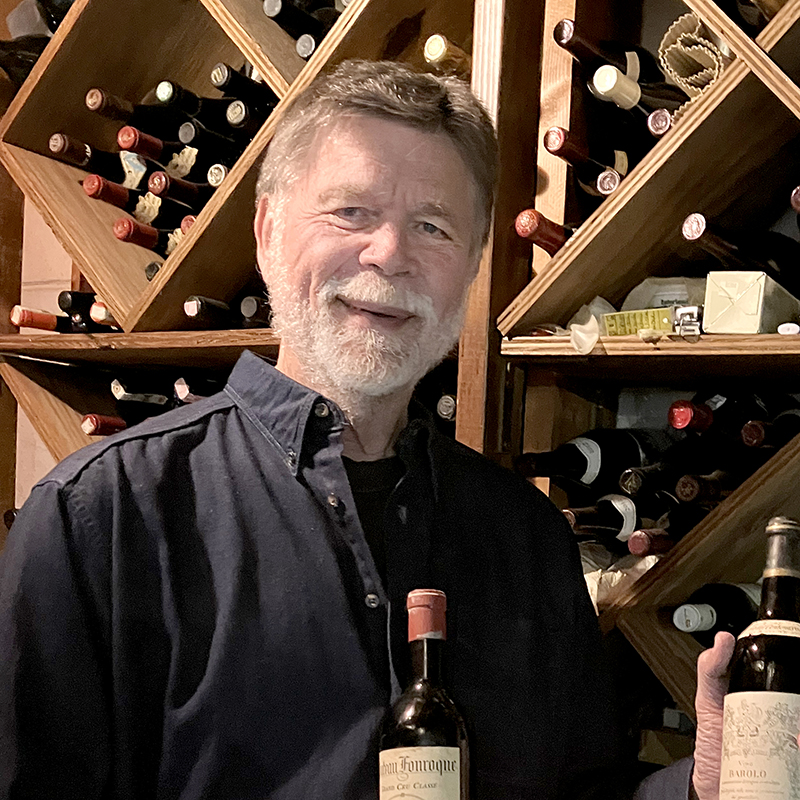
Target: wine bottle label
x=760 y=757
x=591 y=451
x=627 y=509
x=621 y=163
x=632 y=66
x=772 y=627
x=422 y=773
x=147 y=208
x=180 y=165
x=134 y=167
x=173 y=240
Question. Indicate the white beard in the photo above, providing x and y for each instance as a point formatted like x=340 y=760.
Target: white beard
x=351 y=363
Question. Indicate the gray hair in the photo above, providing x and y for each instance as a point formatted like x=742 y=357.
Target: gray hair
x=390 y=91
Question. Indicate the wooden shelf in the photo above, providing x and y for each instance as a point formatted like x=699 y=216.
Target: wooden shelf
x=669 y=360
x=202 y=349
x=614 y=249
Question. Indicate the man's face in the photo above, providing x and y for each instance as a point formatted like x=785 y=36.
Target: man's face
x=369 y=255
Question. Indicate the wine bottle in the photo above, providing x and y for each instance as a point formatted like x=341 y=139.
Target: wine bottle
x=212 y=144
x=659 y=121
x=587 y=170
x=156 y=120
x=771 y=435
x=209 y=111
x=79 y=154
x=101 y=314
x=608 y=182
x=194 y=195
x=151 y=270
x=770 y=252
x=187 y=222
x=217 y=174
x=54 y=11
x=707 y=488
x=446 y=407
x=650 y=541
x=717 y=607
x=724 y=413
x=177 y=159
x=102 y=424
x=597 y=458
x=424 y=741
x=614 y=516
x=255 y=311
x=206 y=312
x=125 y=392
x=293 y=19
x=22 y=317
x=535 y=227
x=235 y=84
x=610 y=84
x=309 y=41
x=18 y=56
x=191 y=391
x=244 y=119
x=160 y=240
x=143 y=206
x=77 y=306
x=638 y=63
x=445 y=57
x=760 y=757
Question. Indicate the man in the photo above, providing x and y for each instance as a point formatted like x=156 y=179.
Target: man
x=212 y=603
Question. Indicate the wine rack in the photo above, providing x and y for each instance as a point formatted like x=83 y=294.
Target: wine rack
x=733 y=157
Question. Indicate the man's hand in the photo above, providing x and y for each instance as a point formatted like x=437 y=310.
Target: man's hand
x=712 y=683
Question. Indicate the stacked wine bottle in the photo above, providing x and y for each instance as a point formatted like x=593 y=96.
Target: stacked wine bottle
x=137 y=397
x=84 y=312
x=176 y=148
x=642 y=490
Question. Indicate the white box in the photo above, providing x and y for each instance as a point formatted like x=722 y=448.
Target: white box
x=746 y=302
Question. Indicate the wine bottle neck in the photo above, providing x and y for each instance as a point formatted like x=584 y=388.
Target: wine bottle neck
x=780 y=598
x=427 y=660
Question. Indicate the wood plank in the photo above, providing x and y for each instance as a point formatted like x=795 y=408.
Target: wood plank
x=671 y=359
x=605 y=258
x=54 y=404
x=211 y=349
x=11 y=215
x=507 y=86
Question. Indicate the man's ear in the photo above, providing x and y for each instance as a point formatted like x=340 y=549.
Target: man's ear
x=263 y=226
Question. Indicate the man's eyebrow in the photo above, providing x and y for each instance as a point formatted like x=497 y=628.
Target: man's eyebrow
x=341 y=194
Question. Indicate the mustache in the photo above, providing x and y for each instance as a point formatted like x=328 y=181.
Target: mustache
x=369 y=287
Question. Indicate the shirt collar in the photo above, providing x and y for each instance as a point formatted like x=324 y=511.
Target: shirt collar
x=281 y=408
x=288 y=413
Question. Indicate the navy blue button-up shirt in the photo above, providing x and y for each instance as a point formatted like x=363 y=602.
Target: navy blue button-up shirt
x=189 y=609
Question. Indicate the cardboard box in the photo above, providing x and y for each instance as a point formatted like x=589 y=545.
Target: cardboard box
x=746 y=302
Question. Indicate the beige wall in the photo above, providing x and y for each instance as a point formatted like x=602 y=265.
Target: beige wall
x=46 y=270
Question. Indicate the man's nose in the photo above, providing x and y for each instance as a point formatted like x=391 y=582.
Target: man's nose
x=387 y=250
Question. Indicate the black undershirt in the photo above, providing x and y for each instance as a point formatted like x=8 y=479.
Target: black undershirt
x=371 y=483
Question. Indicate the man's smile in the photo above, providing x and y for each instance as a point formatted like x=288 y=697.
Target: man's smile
x=388 y=315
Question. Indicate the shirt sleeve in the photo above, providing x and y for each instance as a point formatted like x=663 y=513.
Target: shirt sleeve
x=671 y=783
x=54 y=719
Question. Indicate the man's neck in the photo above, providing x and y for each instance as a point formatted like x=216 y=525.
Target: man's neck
x=374 y=423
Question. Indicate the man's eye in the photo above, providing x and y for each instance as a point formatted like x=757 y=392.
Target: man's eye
x=433 y=230
x=349 y=212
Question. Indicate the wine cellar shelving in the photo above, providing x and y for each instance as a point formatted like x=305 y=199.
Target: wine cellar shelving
x=733 y=157
x=753 y=110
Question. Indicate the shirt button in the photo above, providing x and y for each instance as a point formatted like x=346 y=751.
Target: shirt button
x=321 y=410
x=333 y=501
x=372 y=600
